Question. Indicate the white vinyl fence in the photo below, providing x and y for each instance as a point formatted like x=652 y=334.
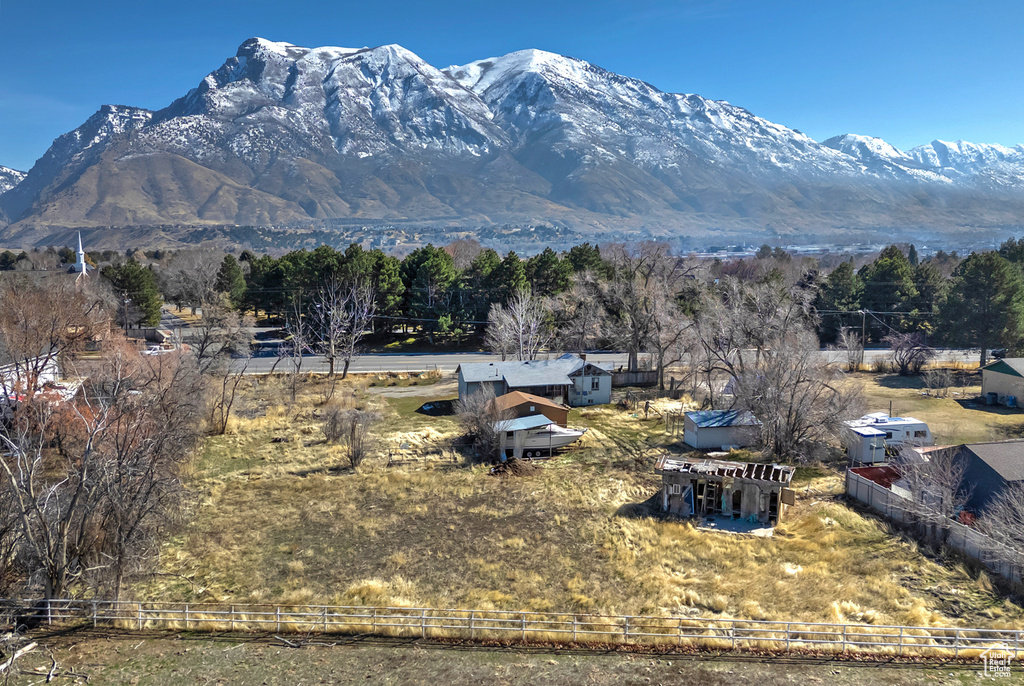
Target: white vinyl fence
x=527 y=627
x=972 y=543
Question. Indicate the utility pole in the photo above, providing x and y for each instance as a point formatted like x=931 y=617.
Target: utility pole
x=863 y=330
x=126 y=301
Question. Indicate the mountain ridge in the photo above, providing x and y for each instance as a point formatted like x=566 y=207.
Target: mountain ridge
x=286 y=135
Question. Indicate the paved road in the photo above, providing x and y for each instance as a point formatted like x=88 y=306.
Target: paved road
x=447 y=362
x=405 y=362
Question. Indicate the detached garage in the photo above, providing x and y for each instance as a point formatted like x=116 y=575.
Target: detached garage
x=718 y=429
x=1005 y=379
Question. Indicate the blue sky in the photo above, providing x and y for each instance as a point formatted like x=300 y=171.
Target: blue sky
x=907 y=71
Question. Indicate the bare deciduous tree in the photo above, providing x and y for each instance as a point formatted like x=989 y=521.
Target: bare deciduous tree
x=42 y=325
x=910 y=353
x=342 y=316
x=850 y=342
x=189 y=278
x=296 y=346
x=578 y=314
x=92 y=482
x=1003 y=520
x=353 y=429
x=761 y=337
x=519 y=328
x=936 y=483
x=479 y=414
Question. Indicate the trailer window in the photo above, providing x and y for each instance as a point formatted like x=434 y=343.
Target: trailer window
x=888 y=435
x=920 y=434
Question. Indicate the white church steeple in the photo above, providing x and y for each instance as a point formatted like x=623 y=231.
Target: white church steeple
x=80 y=265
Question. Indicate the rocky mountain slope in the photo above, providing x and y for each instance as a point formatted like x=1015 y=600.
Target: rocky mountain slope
x=284 y=135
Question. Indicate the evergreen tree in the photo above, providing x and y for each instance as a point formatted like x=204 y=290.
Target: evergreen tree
x=985 y=305
x=429 y=276
x=1013 y=250
x=912 y=257
x=547 y=274
x=889 y=285
x=136 y=283
x=585 y=257
x=840 y=292
x=510 y=278
x=231 y=280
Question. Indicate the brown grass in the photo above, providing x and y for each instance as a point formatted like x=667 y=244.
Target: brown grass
x=282 y=523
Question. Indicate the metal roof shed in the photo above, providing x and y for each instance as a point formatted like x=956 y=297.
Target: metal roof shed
x=715 y=429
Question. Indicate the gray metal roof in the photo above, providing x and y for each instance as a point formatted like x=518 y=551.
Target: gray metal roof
x=1005 y=457
x=525 y=374
x=720 y=418
x=523 y=423
x=755 y=471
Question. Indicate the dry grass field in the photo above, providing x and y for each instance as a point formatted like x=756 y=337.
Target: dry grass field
x=279 y=518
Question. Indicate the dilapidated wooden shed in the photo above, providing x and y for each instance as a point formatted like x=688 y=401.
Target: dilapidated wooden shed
x=741 y=490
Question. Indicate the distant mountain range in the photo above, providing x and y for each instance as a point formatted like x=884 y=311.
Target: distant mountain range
x=288 y=136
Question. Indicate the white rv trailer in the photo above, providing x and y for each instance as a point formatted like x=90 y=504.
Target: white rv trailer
x=869 y=439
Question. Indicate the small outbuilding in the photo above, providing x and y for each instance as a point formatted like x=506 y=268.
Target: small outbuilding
x=1002 y=381
x=740 y=490
x=719 y=429
x=518 y=404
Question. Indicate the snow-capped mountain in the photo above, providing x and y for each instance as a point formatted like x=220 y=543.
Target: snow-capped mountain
x=9 y=178
x=282 y=134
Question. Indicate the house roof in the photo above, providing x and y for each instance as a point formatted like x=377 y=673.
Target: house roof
x=527 y=373
x=1011 y=366
x=705 y=419
x=738 y=470
x=1005 y=457
x=534 y=421
x=517 y=398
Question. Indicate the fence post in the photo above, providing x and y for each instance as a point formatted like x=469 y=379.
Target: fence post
x=49 y=611
x=788 y=635
x=625 y=631
x=522 y=620
x=732 y=633
x=374 y=620
x=186 y=616
x=844 y=637
x=680 y=632
x=472 y=629
x=956 y=645
x=423 y=623
x=277 y=613
x=94 y=617
x=574 y=629
x=231 y=624
x=140 y=616
x=901 y=641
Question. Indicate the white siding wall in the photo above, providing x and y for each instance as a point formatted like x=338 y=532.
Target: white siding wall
x=1003 y=384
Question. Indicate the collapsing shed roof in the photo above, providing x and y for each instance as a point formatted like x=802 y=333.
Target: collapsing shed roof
x=738 y=470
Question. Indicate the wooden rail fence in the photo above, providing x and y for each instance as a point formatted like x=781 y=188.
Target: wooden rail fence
x=536 y=627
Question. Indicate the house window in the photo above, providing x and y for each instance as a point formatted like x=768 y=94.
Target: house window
x=595 y=383
x=920 y=434
x=532 y=408
x=675 y=489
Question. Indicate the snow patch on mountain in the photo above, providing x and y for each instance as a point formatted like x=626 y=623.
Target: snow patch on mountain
x=9 y=178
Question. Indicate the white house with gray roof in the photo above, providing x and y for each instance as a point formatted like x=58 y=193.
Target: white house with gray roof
x=568 y=379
